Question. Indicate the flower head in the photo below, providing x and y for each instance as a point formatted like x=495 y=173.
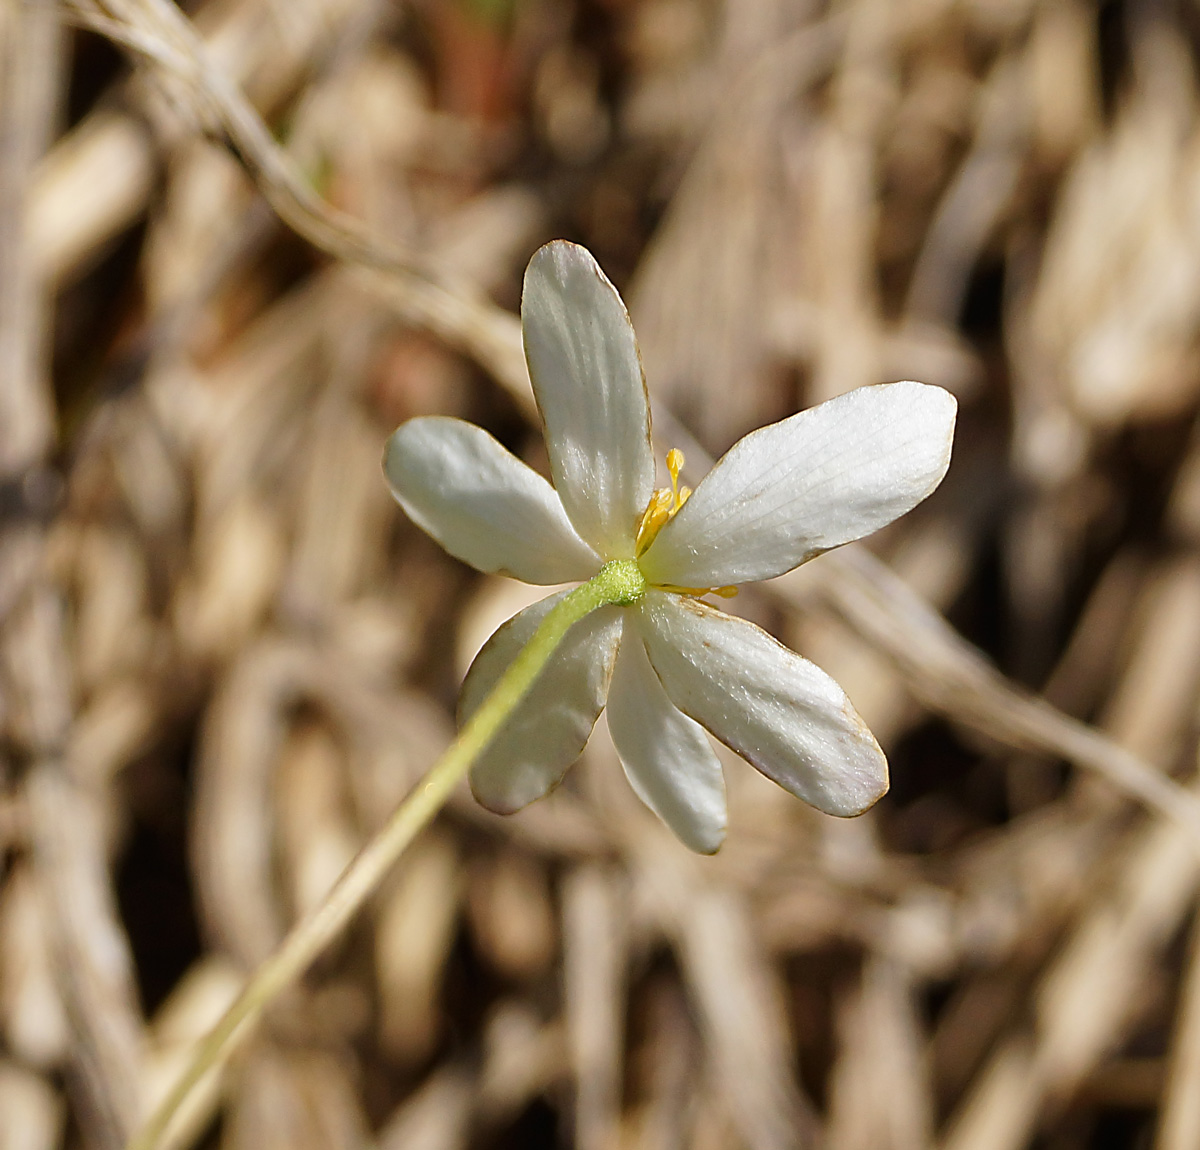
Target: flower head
x=669 y=666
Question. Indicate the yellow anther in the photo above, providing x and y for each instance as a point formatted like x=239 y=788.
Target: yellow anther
x=658 y=512
x=674 y=464
x=663 y=503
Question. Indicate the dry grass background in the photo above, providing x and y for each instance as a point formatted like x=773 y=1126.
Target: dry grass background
x=238 y=248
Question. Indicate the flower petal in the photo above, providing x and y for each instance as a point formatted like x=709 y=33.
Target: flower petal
x=815 y=480
x=482 y=504
x=667 y=756
x=550 y=727
x=587 y=377
x=778 y=711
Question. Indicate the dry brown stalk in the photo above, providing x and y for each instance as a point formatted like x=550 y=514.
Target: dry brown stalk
x=30 y=67
x=594 y=963
x=1179 y=1122
x=952 y=678
x=1086 y=999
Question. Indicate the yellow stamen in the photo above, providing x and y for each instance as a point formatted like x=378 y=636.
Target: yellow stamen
x=658 y=512
x=663 y=503
x=663 y=506
x=674 y=465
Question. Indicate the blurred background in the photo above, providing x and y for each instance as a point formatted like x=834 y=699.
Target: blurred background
x=241 y=240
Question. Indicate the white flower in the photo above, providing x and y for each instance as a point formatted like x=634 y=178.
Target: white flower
x=670 y=666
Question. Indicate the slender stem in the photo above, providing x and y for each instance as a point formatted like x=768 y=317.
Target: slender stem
x=617 y=582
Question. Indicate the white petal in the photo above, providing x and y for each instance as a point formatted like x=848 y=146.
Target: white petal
x=778 y=711
x=815 y=480
x=482 y=504
x=550 y=727
x=667 y=757
x=587 y=377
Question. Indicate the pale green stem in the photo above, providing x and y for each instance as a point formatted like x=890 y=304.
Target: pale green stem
x=619 y=582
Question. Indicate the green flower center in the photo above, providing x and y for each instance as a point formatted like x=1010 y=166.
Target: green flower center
x=621 y=581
